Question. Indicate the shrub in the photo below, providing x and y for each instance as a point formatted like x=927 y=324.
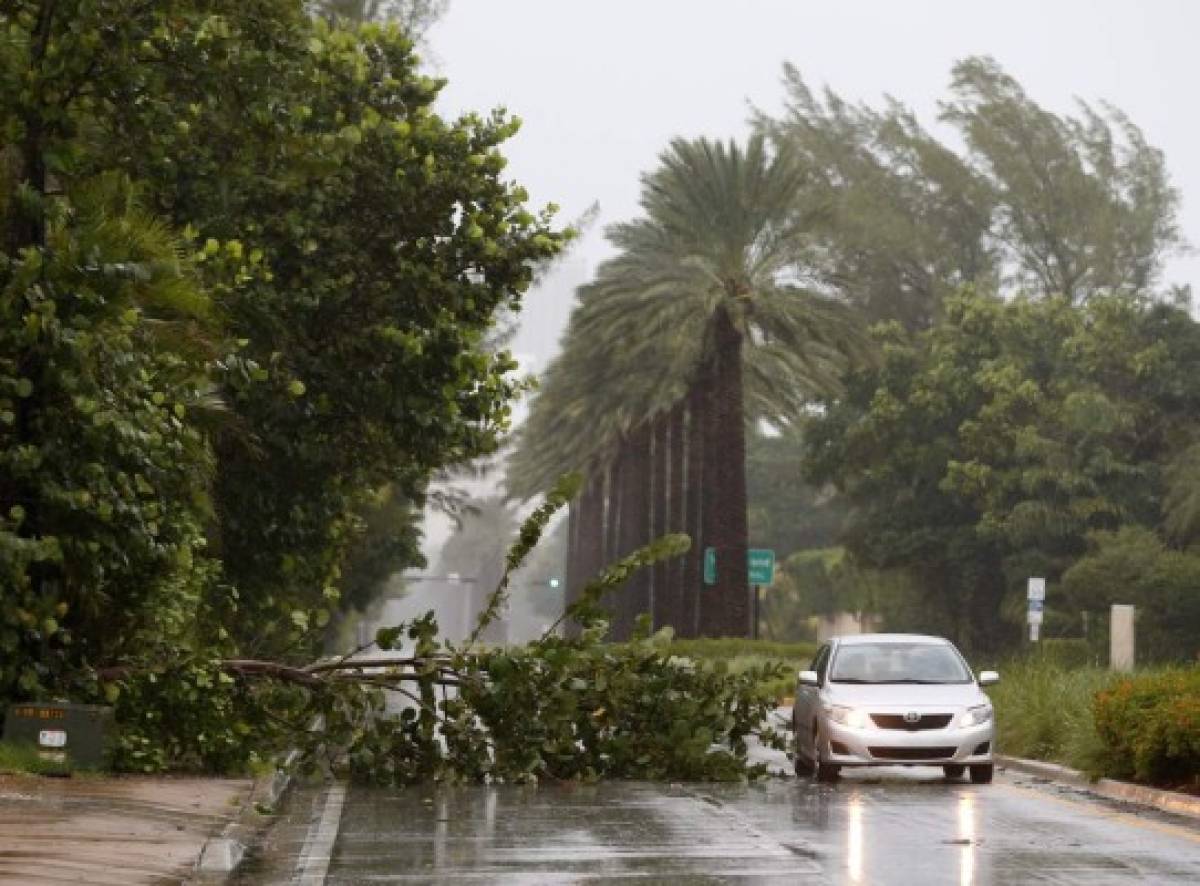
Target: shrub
x=1150 y=727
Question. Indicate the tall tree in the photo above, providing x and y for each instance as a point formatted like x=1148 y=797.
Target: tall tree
x=904 y=221
x=1042 y=203
x=241 y=197
x=1084 y=204
x=334 y=241
x=1007 y=441
x=701 y=293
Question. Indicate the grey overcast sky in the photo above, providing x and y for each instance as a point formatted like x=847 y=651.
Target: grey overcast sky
x=602 y=85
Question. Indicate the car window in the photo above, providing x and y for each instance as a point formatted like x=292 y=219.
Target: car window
x=898 y=663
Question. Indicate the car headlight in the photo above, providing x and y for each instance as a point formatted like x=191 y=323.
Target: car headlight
x=852 y=717
x=976 y=716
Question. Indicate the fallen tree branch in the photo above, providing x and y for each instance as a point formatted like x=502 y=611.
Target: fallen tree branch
x=253 y=667
x=358 y=663
x=313 y=675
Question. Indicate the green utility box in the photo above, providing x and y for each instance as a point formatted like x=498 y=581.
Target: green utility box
x=74 y=736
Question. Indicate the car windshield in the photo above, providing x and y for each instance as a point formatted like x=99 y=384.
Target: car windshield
x=898 y=663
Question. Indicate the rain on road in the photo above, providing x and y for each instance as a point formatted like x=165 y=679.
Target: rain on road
x=898 y=826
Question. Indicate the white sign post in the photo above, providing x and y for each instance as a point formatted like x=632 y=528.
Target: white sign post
x=1037 y=599
x=1121 y=638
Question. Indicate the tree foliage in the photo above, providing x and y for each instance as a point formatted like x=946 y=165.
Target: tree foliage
x=247 y=276
x=992 y=447
x=1042 y=203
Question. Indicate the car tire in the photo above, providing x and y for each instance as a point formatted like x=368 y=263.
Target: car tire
x=954 y=770
x=982 y=774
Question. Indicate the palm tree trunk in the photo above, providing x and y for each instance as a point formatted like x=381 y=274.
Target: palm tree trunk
x=659 y=470
x=612 y=488
x=589 y=546
x=726 y=610
x=676 y=516
x=633 y=529
x=572 y=564
x=574 y=521
x=692 y=586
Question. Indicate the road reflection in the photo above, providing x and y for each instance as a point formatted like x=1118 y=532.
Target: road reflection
x=854 y=840
x=966 y=834
x=871 y=806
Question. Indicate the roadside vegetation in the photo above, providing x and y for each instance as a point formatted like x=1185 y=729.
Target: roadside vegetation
x=248 y=279
x=22 y=759
x=738 y=656
x=1044 y=711
x=1143 y=727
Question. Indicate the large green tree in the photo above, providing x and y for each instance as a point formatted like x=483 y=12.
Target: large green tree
x=248 y=279
x=360 y=246
x=994 y=446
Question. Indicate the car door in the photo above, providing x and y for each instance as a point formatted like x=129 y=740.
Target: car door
x=807 y=700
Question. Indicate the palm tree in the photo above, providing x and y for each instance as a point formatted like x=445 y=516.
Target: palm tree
x=709 y=278
x=703 y=302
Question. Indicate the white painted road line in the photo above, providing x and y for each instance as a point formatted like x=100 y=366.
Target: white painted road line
x=313 y=864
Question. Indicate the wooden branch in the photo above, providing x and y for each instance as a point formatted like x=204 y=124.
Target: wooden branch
x=387 y=680
x=315 y=675
x=252 y=667
x=358 y=663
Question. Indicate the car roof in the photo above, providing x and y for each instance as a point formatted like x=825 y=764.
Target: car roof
x=856 y=639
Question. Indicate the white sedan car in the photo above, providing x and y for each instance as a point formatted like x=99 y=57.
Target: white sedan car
x=893 y=699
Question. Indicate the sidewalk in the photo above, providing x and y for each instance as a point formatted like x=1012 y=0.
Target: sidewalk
x=112 y=830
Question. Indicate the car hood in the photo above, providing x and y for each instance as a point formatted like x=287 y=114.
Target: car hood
x=904 y=695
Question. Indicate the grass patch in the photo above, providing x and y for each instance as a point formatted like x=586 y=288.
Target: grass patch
x=23 y=759
x=1044 y=712
x=741 y=655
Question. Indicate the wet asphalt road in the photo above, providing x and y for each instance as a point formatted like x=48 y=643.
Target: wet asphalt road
x=903 y=826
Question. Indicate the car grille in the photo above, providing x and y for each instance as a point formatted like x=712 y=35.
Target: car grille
x=926 y=721
x=911 y=753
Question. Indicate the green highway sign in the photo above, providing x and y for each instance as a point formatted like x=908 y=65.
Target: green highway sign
x=760 y=566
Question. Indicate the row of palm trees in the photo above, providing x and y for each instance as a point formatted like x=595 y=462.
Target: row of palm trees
x=699 y=326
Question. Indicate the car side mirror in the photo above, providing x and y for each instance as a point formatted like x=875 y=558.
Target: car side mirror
x=988 y=678
x=809 y=678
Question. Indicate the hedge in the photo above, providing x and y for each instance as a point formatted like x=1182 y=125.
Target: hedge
x=1149 y=725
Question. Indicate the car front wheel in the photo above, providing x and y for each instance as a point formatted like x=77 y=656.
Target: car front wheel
x=954 y=770
x=802 y=765
x=982 y=774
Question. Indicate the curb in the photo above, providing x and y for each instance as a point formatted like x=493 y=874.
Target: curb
x=222 y=854
x=1165 y=801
